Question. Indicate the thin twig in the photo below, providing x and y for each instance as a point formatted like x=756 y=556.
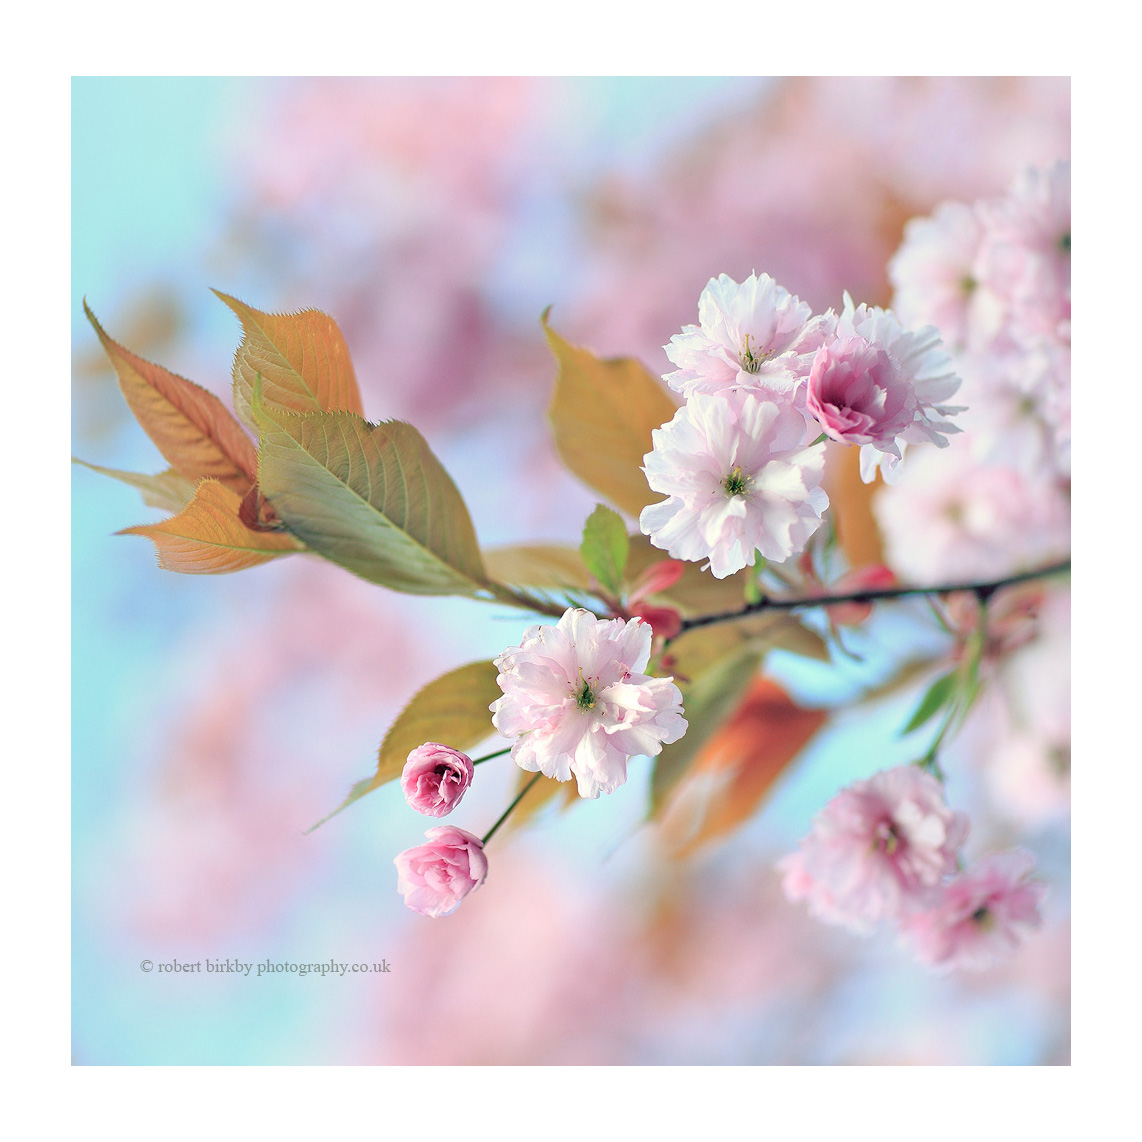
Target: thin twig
x=982 y=590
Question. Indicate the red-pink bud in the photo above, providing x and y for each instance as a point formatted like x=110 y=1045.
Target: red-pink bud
x=657 y=577
x=666 y=622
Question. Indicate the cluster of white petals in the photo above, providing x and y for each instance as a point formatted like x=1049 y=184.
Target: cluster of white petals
x=766 y=381
x=755 y=335
x=578 y=703
x=739 y=480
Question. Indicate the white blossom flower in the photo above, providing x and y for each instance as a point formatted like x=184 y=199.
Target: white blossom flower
x=577 y=700
x=755 y=335
x=739 y=479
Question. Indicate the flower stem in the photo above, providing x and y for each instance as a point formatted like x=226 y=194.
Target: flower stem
x=771 y=603
x=488 y=757
x=507 y=812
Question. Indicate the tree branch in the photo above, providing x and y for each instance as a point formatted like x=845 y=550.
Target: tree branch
x=982 y=591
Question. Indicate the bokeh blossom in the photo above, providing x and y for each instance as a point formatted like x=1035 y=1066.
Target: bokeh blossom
x=877 y=849
x=740 y=479
x=755 y=335
x=435 y=778
x=952 y=518
x=995 y=276
x=435 y=877
x=936 y=275
x=981 y=915
x=578 y=703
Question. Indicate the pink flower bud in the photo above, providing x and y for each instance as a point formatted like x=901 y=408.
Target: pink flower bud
x=666 y=622
x=434 y=878
x=435 y=777
x=660 y=576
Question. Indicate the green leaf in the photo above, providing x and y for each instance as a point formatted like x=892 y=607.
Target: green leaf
x=707 y=703
x=605 y=548
x=602 y=413
x=453 y=710
x=301 y=359
x=166 y=490
x=371 y=498
x=939 y=694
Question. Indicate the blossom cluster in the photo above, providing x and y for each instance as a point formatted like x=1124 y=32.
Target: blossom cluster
x=577 y=704
x=995 y=276
x=888 y=849
x=766 y=382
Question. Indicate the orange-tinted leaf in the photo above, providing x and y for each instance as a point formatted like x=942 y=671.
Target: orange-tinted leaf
x=208 y=538
x=190 y=426
x=602 y=414
x=851 y=502
x=737 y=767
x=707 y=701
x=301 y=358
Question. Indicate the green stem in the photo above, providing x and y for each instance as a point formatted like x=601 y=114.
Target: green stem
x=507 y=812
x=488 y=757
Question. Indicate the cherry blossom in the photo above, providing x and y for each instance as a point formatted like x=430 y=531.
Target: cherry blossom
x=922 y=363
x=578 y=703
x=740 y=479
x=876 y=849
x=434 y=878
x=981 y=916
x=952 y=518
x=859 y=395
x=435 y=778
x=755 y=335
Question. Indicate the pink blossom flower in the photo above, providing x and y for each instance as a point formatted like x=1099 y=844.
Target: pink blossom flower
x=755 y=335
x=952 y=518
x=936 y=277
x=434 y=878
x=859 y=394
x=1026 y=255
x=877 y=849
x=982 y=914
x=435 y=777
x=576 y=700
x=923 y=364
x=739 y=480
